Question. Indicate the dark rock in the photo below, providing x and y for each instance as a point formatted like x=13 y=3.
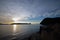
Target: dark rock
x=48 y=21
x=50 y=30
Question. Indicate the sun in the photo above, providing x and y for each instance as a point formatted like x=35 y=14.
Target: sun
x=15 y=19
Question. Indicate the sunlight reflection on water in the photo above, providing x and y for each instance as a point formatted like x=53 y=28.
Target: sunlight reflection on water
x=14 y=28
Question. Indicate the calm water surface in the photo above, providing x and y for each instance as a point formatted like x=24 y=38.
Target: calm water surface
x=14 y=31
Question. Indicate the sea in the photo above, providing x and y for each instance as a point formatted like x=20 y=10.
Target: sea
x=11 y=32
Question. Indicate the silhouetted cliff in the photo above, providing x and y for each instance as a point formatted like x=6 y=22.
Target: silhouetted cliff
x=48 y=21
x=49 y=31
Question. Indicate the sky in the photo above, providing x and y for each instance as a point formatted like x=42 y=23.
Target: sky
x=28 y=10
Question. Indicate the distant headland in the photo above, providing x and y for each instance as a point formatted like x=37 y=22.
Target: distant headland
x=16 y=24
x=21 y=23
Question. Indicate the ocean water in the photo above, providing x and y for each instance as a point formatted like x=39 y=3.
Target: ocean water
x=8 y=32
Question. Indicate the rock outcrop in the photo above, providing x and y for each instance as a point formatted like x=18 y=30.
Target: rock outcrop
x=48 y=21
x=49 y=31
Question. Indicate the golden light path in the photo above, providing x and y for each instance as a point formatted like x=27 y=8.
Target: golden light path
x=14 y=28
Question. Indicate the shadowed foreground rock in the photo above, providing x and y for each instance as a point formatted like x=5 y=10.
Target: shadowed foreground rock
x=49 y=31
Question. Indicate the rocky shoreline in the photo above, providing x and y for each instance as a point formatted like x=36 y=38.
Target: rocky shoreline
x=50 y=30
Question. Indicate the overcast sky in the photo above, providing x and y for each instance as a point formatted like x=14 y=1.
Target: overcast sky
x=28 y=10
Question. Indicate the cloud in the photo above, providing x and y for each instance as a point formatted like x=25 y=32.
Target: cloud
x=5 y=19
x=28 y=9
x=52 y=13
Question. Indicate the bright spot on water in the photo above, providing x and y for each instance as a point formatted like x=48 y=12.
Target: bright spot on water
x=14 y=28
